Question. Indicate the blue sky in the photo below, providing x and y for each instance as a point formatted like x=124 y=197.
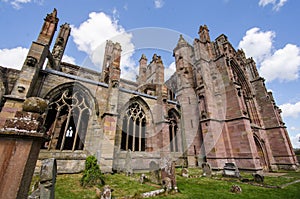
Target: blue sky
x=267 y=30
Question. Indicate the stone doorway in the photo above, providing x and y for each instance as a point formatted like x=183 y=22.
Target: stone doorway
x=262 y=154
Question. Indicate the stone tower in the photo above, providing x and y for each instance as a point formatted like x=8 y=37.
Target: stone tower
x=186 y=96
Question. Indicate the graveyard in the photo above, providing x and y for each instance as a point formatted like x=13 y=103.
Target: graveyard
x=281 y=184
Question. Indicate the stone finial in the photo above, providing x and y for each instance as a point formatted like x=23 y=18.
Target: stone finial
x=156 y=59
x=204 y=34
x=52 y=17
x=181 y=42
x=143 y=57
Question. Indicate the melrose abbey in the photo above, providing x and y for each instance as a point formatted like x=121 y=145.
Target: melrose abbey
x=214 y=109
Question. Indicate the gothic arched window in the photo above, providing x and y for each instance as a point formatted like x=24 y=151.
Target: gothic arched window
x=67 y=120
x=174 y=135
x=134 y=129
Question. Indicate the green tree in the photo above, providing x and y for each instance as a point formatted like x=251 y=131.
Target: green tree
x=92 y=174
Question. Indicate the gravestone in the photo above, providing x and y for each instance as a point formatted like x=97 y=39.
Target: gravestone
x=185 y=172
x=46 y=188
x=206 y=169
x=154 y=172
x=231 y=170
x=128 y=163
x=48 y=178
x=168 y=171
x=259 y=178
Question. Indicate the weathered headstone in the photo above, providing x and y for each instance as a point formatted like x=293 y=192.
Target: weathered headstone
x=231 y=170
x=48 y=178
x=154 y=172
x=185 y=172
x=168 y=170
x=206 y=169
x=128 y=163
x=259 y=178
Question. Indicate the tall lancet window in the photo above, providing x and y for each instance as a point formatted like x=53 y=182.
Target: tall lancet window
x=134 y=129
x=67 y=120
x=174 y=134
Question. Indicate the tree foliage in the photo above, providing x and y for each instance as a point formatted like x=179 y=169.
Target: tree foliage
x=92 y=174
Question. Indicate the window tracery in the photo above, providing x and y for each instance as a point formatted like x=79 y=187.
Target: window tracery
x=67 y=120
x=134 y=129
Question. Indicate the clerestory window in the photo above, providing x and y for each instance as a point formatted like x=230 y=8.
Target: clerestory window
x=134 y=129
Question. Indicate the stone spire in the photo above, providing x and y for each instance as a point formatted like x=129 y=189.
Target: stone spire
x=49 y=28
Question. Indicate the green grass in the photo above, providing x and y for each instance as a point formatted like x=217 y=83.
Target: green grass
x=68 y=186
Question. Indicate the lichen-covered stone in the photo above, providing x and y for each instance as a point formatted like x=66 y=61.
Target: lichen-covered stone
x=35 y=104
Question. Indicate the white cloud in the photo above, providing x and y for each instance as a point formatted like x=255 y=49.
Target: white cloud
x=277 y=4
x=169 y=70
x=159 y=3
x=13 y=58
x=257 y=44
x=290 y=110
x=91 y=36
x=17 y=4
x=295 y=140
x=283 y=65
x=68 y=59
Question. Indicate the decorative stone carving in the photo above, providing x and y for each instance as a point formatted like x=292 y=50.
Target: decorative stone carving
x=21 y=89
x=31 y=61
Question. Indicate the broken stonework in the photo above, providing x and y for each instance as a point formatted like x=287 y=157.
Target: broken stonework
x=168 y=173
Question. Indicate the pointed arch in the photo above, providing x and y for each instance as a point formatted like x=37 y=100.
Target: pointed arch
x=175 y=136
x=262 y=153
x=134 y=125
x=69 y=109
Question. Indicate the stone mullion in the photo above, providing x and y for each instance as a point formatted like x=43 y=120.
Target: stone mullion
x=127 y=133
x=133 y=134
x=77 y=129
x=65 y=130
x=52 y=129
x=140 y=135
